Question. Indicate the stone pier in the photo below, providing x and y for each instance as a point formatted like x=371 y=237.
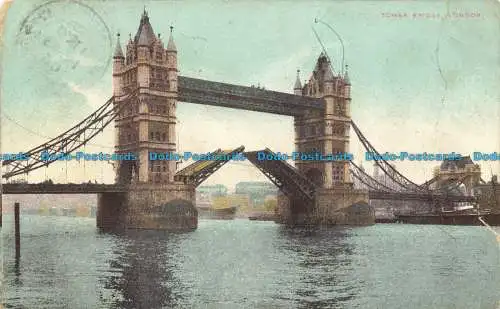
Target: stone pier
x=149 y=206
x=337 y=206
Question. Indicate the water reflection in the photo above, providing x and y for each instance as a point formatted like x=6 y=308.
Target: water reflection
x=17 y=270
x=64 y=263
x=142 y=274
x=323 y=259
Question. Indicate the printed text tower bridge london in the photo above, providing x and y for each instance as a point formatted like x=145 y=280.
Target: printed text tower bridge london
x=146 y=90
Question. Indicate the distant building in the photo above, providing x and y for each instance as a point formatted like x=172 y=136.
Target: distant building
x=358 y=184
x=254 y=186
x=270 y=197
x=489 y=195
x=384 y=178
x=257 y=191
x=212 y=191
x=379 y=176
x=463 y=170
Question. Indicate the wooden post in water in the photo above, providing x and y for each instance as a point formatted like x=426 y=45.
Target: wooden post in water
x=16 y=229
x=1 y=190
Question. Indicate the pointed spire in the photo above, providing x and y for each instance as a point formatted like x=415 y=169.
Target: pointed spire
x=171 y=44
x=297 y=86
x=346 y=76
x=328 y=73
x=323 y=66
x=145 y=34
x=118 y=49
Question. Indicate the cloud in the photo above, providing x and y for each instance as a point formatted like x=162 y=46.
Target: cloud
x=280 y=75
x=94 y=96
x=78 y=60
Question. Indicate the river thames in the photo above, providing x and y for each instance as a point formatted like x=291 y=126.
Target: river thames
x=67 y=263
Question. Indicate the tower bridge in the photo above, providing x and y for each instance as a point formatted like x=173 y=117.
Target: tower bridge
x=146 y=91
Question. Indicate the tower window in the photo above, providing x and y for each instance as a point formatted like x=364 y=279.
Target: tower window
x=163 y=136
x=164 y=168
x=158 y=135
x=129 y=138
x=311 y=131
x=152 y=136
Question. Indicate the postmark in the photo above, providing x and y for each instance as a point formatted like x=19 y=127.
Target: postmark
x=66 y=37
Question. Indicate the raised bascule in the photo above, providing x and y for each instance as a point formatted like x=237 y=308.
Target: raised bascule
x=153 y=194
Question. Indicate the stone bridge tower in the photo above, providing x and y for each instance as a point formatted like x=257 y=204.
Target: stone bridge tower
x=145 y=90
x=326 y=132
x=148 y=122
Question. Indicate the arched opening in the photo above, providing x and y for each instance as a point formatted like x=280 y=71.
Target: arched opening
x=127 y=170
x=316 y=176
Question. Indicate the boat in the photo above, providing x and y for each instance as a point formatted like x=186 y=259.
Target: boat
x=206 y=210
x=263 y=216
x=227 y=213
x=452 y=218
x=54 y=211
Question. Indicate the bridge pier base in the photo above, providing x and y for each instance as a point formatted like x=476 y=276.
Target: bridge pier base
x=336 y=206
x=110 y=210
x=149 y=206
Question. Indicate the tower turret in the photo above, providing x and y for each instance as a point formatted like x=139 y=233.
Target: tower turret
x=171 y=45
x=328 y=79
x=118 y=49
x=347 y=82
x=297 y=88
x=118 y=64
x=172 y=62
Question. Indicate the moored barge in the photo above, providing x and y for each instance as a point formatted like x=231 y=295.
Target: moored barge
x=492 y=219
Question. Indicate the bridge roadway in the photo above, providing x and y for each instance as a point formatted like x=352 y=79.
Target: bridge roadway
x=91 y=188
x=199 y=91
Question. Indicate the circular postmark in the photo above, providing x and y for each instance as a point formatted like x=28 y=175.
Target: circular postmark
x=68 y=39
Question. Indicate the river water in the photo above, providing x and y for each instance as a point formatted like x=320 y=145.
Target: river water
x=67 y=263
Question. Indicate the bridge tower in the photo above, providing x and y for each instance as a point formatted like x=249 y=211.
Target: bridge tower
x=325 y=132
x=148 y=122
x=145 y=90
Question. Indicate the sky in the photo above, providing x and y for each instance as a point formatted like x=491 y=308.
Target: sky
x=418 y=84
